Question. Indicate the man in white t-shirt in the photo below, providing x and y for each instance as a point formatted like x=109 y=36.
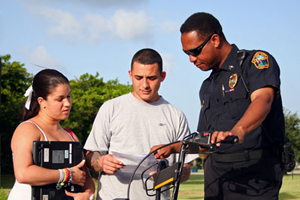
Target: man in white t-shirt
x=132 y=124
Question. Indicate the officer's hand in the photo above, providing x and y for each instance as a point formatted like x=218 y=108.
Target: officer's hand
x=219 y=136
x=166 y=151
x=109 y=164
x=161 y=153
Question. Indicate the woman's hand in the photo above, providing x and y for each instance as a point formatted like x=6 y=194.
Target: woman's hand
x=79 y=196
x=78 y=175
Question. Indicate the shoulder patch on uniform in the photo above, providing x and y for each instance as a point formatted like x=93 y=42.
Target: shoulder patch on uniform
x=260 y=60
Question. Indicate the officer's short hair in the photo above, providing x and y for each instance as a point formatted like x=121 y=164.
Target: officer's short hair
x=204 y=23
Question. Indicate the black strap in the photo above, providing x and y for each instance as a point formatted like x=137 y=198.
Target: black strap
x=242 y=156
x=241 y=54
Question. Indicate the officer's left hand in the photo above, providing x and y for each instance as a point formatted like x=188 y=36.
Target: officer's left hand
x=218 y=136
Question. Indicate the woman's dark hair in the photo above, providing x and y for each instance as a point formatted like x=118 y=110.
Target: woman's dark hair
x=204 y=24
x=43 y=84
x=148 y=57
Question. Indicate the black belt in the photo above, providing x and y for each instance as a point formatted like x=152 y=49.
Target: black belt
x=242 y=156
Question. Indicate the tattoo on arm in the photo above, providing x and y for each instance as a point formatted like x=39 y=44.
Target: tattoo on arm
x=93 y=158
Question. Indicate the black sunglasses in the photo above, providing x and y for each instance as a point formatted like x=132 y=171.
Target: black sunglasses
x=195 y=52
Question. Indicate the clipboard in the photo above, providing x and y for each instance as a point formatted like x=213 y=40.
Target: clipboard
x=55 y=155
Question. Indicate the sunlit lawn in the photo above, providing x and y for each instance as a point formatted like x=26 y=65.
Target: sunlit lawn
x=192 y=189
x=290 y=188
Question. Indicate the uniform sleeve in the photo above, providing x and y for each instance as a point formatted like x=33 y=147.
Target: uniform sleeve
x=263 y=71
x=99 y=137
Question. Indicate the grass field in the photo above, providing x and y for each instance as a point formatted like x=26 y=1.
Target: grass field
x=192 y=189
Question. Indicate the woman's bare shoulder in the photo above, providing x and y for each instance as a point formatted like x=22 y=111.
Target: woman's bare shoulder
x=26 y=131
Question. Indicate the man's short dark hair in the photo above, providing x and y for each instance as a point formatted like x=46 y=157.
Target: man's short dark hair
x=148 y=56
x=204 y=24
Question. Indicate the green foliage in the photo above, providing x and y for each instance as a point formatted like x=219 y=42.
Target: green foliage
x=14 y=82
x=292 y=128
x=3 y=194
x=88 y=94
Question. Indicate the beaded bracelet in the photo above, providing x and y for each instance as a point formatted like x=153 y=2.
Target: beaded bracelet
x=70 y=175
x=65 y=176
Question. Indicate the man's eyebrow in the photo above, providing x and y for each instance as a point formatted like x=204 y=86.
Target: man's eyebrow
x=154 y=76
x=141 y=76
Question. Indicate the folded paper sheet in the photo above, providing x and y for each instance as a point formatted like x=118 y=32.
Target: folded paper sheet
x=131 y=161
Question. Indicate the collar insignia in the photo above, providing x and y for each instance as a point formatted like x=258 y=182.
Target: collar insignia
x=260 y=60
x=233 y=80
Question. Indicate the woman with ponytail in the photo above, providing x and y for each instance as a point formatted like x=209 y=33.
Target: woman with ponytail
x=48 y=102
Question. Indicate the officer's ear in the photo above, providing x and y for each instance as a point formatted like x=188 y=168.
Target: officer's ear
x=216 y=40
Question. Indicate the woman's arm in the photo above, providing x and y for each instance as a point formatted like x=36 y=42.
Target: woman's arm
x=24 y=169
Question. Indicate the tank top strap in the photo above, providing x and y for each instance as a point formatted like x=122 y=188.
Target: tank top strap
x=70 y=133
x=46 y=139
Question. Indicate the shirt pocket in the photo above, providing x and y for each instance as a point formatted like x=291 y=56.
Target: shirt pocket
x=205 y=104
x=236 y=100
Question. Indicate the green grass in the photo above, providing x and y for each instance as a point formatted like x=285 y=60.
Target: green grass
x=194 y=188
x=290 y=187
x=191 y=189
x=7 y=181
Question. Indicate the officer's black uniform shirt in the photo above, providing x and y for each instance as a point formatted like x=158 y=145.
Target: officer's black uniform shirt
x=225 y=96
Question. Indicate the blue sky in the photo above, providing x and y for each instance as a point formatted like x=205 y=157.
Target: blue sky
x=80 y=36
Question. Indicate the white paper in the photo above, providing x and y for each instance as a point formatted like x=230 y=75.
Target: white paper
x=131 y=161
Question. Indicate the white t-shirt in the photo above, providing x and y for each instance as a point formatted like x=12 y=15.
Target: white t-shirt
x=126 y=124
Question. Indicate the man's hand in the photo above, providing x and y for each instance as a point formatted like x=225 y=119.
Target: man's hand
x=109 y=164
x=106 y=163
x=222 y=135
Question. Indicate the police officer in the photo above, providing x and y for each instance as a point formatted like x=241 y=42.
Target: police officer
x=240 y=97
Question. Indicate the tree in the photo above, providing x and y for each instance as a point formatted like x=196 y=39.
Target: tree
x=88 y=94
x=292 y=129
x=14 y=82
